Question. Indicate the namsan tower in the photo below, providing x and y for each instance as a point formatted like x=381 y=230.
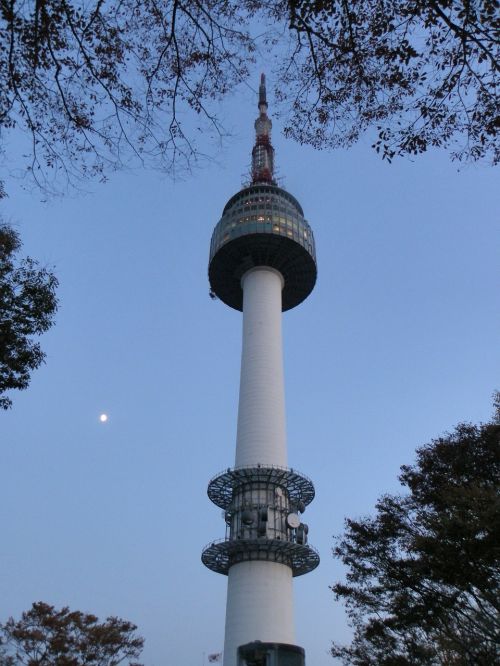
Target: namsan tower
x=262 y=262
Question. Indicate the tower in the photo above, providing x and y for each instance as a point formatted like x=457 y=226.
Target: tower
x=262 y=262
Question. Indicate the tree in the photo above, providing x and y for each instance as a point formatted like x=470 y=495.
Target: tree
x=101 y=85
x=45 y=636
x=27 y=307
x=496 y=407
x=423 y=575
x=423 y=73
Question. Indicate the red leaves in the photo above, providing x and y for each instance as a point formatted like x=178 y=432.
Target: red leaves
x=48 y=637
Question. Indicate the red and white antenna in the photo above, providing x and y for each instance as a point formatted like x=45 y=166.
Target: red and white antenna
x=263 y=152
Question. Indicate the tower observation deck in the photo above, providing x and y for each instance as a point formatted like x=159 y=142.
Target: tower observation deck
x=262 y=262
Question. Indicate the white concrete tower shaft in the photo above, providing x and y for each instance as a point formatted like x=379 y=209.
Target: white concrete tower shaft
x=259 y=593
x=261 y=436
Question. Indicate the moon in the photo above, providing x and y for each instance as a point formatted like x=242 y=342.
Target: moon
x=103 y=418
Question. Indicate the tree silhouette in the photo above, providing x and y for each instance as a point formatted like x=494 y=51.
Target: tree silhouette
x=45 y=636
x=423 y=583
x=27 y=307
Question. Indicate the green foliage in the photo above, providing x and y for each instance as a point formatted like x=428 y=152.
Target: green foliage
x=423 y=575
x=45 y=636
x=27 y=307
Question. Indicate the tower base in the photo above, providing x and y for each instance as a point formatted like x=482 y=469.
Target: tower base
x=270 y=654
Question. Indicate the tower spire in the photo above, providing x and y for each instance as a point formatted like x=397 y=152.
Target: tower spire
x=263 y=152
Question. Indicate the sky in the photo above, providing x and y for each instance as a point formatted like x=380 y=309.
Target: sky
x=396 y=345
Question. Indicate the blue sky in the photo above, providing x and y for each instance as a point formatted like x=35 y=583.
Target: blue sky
x=397 y=343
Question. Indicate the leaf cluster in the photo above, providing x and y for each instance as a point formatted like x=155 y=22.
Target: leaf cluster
x=423 y=581
x=27 y=308
x=98 y=86
x=45 y=636
x=422 y=73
